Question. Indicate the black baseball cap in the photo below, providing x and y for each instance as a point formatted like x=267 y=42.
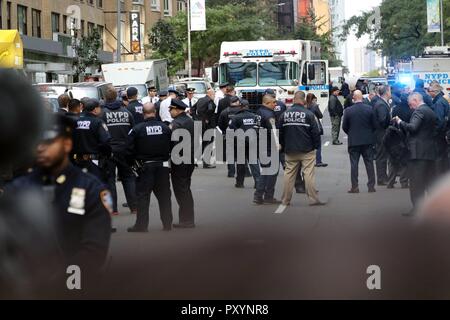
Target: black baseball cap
x=234 y=99
x=132 y=91
x=163 y=93
x=270 y=92
x=91 y=104
x=178 y=104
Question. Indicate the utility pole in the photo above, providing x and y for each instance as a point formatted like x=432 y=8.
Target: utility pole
x=442 y=22
x=119 y=32
x=188 y=7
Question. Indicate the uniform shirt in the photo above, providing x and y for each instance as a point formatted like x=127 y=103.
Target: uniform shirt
x=183 y=121
x=137 y=110
x=299 y=132
x=149 y=141
x=82 y=207
x=190 y=103
x=149 y=99
x=279 y=109
x=119 y=122
x=218 y=96
x=91 y=136
x=164 y=112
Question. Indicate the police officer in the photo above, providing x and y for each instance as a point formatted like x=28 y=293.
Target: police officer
x=281 y=106
x=266 y=188
x=152 y=97
x=149 y=146
x=181 y=173
x=134 y=106
x=164 y=112
x=81 y=203
x=224 y=121
x=300 y=138
x=336 y=112
x=245 y=120
x=204 y=112
x=91 y=141
x=119 y=122
x=74 y=109
x=190 y=100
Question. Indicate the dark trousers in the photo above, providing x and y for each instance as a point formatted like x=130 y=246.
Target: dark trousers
x=319 y=153
x=381 y=159
x=398 y=169
x=367 y=153
x=265 y=187
x=127 y=178
x=181 y=182
x=421 y=174
x=242 y=171
x=442 y=162
x=335 y=128
x=153 y=177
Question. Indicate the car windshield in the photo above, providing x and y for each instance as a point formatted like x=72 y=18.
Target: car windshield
x=142 y=90
x=277 y=73
x=239 y=74
x=88 y=92
x=200 y=87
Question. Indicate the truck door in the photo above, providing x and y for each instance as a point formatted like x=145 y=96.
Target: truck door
x=315 y=79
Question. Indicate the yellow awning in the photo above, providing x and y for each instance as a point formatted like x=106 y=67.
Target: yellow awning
x=11 y=49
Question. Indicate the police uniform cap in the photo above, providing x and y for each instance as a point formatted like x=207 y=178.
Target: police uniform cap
x=270 y=91
x=171 y=90
x=132 y=91
x=178 y=104
x=245 y=102
x=191 y=90
x=59 y=125
x=152 y=88
x=163 y=93
x=91 y=104
x=223 y=85
x=234 y=99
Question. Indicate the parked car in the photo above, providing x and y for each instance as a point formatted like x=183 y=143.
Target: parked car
x=201 y=85
x=95 y=90
x=56 y=88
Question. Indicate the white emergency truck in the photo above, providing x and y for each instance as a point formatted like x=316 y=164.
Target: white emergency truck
x=141 y=74
x=282 y=65
x=434 y=64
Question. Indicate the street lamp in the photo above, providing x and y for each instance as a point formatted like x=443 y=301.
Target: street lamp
x=188 y=12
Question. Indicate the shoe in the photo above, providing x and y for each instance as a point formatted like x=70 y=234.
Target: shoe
x=125 y=205
x=115 y=213
x=353 y=190
x=372 y=190
x=230 y=175
x=134 y=229
x=300 y=190
x=322 y=165
x=240 y=186
x=272 y=201
x=113 y=230
x=320 y=203
x=184 y=225
x=337 y=143
x=258 y=201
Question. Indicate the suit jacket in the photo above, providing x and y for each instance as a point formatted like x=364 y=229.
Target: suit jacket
x=422 y=130
x=335 y=107
x=382 y=112
x=359 y=124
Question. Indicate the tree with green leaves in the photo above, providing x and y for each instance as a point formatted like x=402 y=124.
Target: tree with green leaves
x=402 y=31
x=86 y=53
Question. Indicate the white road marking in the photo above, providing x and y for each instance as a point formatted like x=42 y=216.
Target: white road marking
x=326 y=144
x=280 y=209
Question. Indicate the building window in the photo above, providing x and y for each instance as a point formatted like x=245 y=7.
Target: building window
x=180 y=6
x=55 y=22
x=90 y=28
x=36 y=23
x=166 y=7
x=155 y=5
x=99 y=3
x=22 y=20
x=65 y=24
x=91 y=2
x=100 y=32
x=8 y=15
x=82 y=28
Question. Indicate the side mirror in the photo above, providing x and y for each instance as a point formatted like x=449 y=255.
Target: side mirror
x=215 y=74
x=311 y=72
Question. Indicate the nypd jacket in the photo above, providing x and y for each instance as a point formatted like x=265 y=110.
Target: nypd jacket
x=149 y=141
x=183 y=121
x=91 y=136
x=119 y=122
x=441 y=109
x=137 y=110
x=299 y=132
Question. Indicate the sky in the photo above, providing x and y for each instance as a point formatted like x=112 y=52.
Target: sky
x=356 y=7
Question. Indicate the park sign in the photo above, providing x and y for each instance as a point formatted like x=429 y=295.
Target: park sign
x=433 y=16
x=198 y=15
x=135 y=43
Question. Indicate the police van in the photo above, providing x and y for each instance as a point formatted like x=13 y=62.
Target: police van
x=284 y=66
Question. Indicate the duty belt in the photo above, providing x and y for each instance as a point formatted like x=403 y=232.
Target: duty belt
x=85 y=157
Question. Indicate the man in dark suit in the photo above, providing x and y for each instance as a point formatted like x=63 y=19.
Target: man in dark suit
x=359 y=125
x=421 y=131
x=382 y=111
x=335 y=110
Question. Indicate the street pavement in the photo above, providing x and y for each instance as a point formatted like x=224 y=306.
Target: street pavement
x=242 y=251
